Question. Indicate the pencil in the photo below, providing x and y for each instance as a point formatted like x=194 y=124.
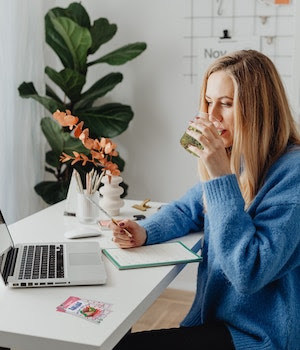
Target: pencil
x=116 y=223
x=108 y=215
x=78 y=180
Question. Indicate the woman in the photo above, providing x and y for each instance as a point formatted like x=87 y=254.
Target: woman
x=248 y=204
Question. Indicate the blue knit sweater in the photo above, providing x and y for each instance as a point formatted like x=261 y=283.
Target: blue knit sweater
x=250 y=274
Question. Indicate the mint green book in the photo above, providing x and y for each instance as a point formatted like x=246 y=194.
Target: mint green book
x=170 y=253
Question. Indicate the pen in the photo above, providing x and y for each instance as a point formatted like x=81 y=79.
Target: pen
x=106 y=213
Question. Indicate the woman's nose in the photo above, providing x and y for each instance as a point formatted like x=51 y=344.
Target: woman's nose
x=215 y=121
x=214 y=112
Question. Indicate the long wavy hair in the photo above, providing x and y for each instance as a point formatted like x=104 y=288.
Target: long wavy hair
x=263 y=122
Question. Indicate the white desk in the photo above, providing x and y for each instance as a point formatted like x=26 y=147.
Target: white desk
x=29 y=320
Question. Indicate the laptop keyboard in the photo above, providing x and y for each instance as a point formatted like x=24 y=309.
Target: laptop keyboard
x=42 y=261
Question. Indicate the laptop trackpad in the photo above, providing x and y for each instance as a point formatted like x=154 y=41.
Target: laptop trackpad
x=84 y=259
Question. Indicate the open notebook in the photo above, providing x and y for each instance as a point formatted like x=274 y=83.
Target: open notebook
x=170 y=253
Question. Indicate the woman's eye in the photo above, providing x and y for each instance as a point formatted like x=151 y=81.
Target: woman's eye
x=226 y=104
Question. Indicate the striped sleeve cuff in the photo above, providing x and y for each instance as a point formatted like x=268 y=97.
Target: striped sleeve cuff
x=222 y=189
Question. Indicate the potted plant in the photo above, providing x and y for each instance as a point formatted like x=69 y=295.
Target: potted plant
x=73 y=38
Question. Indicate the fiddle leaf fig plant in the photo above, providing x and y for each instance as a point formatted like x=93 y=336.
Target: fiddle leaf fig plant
x=73 y=38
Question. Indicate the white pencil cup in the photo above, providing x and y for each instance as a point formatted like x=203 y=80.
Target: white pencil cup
x=87 y=212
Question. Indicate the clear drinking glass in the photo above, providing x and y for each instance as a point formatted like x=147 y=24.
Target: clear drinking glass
x=187 y=140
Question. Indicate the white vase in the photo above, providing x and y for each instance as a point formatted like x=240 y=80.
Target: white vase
x=111 y=192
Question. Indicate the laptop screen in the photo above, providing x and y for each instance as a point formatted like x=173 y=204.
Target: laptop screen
x=6 y=247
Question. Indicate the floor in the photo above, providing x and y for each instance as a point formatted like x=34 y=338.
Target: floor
x=167 y=311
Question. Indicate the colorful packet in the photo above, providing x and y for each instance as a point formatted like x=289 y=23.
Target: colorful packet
x=91 y=310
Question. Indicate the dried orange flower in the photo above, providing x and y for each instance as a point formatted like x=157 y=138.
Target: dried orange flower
x=65 y=119
x=101 y=151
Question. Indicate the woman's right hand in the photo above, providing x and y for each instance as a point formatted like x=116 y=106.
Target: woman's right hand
x=122 y=239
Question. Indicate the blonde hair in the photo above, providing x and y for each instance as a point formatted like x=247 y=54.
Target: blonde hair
x=263 y=122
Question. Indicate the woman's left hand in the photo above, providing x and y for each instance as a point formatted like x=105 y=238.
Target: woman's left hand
x=214 y=155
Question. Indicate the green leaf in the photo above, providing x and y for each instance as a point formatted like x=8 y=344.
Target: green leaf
x=50 y=93
x=108 y=120
x=70 y=81
x=78 y=14
x=27 y=90
x=59 y=140
x=52 y=158
x=59 y=12
x=101 y=31
x=54 y=39
x=125 y=187
x=53 y=133
x=50 y=170
x=99 y=89
x=73 y=144
x=122 y=55
x=52 y=191
x=76 y=39
x=119 y=161
x=75 y=11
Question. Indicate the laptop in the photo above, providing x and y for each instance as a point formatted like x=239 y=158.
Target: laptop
x=50 y=264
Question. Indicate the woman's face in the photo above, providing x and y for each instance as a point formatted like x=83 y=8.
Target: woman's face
x=219 y=97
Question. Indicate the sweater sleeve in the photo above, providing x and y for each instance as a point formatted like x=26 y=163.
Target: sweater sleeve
x=177 y=218
x=258 y=248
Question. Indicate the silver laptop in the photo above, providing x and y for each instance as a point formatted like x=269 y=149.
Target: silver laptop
x=50 y=264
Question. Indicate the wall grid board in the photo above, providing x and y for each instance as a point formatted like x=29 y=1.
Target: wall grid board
x=272 y=25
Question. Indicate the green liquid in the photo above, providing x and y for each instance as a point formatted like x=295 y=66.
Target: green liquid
x=187 y=140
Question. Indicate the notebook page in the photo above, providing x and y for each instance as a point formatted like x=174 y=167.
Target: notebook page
x=157 y=254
